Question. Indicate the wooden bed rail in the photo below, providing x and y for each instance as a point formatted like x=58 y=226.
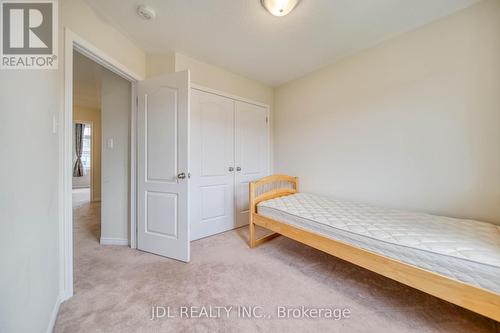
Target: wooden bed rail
x=474 y=298
x=267 y=188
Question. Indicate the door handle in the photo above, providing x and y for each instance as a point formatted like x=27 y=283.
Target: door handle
x=238 y=169
x=231 y=169
x=182 y=175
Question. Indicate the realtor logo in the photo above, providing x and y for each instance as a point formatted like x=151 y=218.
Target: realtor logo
x=29 y=34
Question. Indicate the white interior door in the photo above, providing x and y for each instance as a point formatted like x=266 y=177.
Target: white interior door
x=251 y=153
x=212 y=164
x=163 y=141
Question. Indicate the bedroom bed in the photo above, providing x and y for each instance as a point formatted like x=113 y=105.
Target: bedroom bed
x=453 y=259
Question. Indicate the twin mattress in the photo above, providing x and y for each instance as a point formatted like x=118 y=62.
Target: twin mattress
x=465 y=250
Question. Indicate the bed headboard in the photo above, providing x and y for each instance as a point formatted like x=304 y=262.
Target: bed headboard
x=271 y=187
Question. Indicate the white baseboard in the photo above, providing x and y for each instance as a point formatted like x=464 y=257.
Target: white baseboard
x=114 y=241
x=53 y=315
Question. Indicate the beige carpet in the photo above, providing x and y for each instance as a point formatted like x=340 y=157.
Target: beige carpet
x=115 y=288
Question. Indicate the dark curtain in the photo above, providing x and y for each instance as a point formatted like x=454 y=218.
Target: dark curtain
x=78 y=167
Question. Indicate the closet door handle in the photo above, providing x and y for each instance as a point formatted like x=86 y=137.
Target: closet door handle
x=182 y=175
x=238 y=169
x=231 y=169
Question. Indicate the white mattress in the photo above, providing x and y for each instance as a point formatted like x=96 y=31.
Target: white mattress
x=465 y=250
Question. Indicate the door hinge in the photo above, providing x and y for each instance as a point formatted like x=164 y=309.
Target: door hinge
x=267 y=119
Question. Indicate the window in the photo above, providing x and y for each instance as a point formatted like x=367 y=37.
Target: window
x=86 y=153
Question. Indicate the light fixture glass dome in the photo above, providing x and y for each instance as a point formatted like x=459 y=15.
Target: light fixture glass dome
x=279 y=7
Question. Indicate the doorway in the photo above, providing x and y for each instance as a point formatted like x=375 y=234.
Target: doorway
x=86 y=144
x=111 y=131
x=101 y=99
x=155 y=184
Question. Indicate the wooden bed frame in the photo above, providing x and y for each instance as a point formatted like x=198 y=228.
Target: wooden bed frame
x=482 y=301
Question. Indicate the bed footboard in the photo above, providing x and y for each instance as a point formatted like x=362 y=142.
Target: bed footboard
x=265 y=189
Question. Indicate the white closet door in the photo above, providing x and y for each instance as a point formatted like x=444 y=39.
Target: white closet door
x=251 y=153
x=212 y=172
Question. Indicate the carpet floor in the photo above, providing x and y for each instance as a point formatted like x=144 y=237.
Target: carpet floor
x=116 y=288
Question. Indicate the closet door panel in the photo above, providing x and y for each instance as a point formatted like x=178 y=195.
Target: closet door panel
x=251 y=153
x=212 y=156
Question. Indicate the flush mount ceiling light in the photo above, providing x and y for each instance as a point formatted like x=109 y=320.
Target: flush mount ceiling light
x=279 y=7
x=146 y=12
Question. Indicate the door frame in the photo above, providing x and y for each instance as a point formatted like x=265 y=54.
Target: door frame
x=72 y=42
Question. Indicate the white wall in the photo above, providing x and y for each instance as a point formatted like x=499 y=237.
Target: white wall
x=115 y=167
x=29 y=278
x=413 y=123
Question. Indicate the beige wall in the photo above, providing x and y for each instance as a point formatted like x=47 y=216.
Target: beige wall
x=82 y=20
x=158 y=64
x=115 y=192
x=209 y=76
x=413 y=123
x=93 y=116
x=220 y=79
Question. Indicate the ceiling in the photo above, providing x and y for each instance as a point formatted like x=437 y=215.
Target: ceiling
x=86 y=82
x=240 y=36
